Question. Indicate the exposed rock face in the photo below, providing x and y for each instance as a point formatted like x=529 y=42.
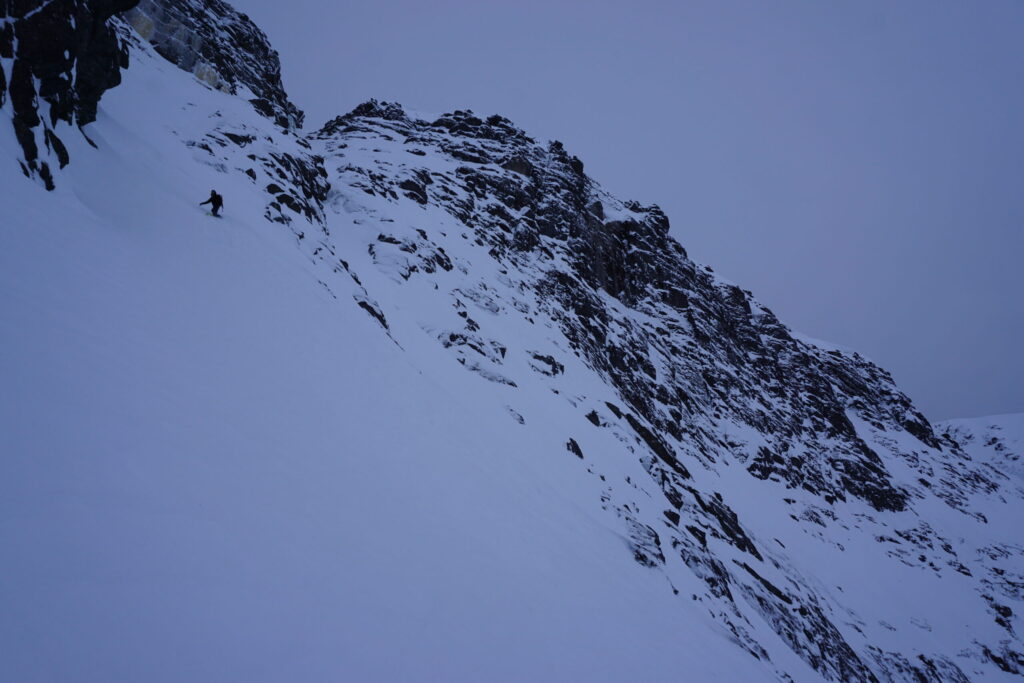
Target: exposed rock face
x=63 y=54
x=222 y=47
x=704 y=380
x=712 y=344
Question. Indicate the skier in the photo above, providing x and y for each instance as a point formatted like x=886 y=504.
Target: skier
x=215 y=201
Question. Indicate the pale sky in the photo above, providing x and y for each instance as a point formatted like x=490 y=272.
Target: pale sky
x=858 y=165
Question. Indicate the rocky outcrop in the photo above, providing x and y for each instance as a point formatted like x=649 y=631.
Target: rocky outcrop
x=57 y=58
x=705 y=381
x=713 y=349
x=222 y=47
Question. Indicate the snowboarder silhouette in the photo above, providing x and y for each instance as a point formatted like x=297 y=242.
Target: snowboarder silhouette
x=215 y=201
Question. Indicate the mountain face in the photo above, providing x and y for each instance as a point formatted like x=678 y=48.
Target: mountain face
x=221 y=47
x=62 y=54
x=695 y=376
x=784 y=493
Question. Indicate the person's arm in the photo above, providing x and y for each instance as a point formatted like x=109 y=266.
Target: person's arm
x=206 y=202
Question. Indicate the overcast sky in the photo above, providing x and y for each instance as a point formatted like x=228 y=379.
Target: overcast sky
x=859 y=166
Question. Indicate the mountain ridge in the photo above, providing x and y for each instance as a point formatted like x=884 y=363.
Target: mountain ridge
x=755 y=458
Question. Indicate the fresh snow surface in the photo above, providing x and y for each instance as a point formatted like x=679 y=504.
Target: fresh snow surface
x=213 y=471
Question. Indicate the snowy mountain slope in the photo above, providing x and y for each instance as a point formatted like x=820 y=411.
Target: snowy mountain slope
x=214 y=471
x=770 y=462
x=451 y=395
x=997 y=440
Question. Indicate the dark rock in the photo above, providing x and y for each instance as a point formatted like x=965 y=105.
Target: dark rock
x=374 y=312
x=646 y=543
x=658 y=446
x=240 y=140
x=389 y=111
x=222 y=47
x=728 y=522
x=71 y=49
x=689 y=357
x=518 y=164
x=699 y=535
x=546 y=365
x=767 y=584
x=58 y=148
x=414 y=190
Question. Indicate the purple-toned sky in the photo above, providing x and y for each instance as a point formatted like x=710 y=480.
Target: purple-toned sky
x=859 y=166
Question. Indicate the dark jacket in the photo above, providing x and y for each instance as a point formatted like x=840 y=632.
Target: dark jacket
x=215 y=200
